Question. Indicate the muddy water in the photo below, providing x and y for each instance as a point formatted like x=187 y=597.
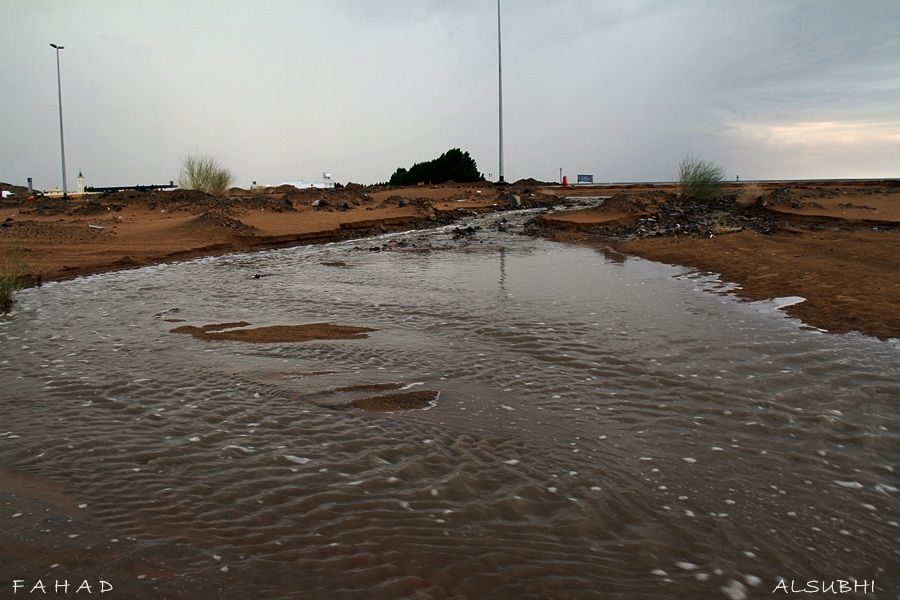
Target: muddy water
x=606 y=427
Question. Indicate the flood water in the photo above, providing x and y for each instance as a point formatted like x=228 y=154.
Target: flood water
x=607 y=427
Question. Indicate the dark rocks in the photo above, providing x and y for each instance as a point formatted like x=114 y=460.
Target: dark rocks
x=464 y=232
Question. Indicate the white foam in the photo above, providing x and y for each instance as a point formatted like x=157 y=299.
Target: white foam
x=236 y=447
x=415 y=383
x=853 y=485
x=300 y=460
x=735 y=590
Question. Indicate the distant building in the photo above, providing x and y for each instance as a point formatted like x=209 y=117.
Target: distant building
x=80 y=183
x=325 y=182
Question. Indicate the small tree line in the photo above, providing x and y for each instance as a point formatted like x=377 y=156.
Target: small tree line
x=452 y=165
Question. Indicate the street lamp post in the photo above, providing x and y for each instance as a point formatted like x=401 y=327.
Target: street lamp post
x=500 y=88
x=62 y=142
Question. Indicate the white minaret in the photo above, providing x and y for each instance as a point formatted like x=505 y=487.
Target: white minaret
x=80 y=183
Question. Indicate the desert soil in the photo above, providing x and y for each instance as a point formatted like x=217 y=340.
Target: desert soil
x=834 y=243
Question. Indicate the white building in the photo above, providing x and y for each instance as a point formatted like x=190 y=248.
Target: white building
x=324 y=183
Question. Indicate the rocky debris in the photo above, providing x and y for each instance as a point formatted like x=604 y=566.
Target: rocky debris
x=93 y=207
x=464 y=232
x=392 y=245
x=8 y=222
x=320 y=203
x=680 y=217
x=704 y=219
x=850 y=205
x=785 y=198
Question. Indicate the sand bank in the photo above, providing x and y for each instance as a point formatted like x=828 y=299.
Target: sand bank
x=835 y=244
x=59 y=239
x=275 y=334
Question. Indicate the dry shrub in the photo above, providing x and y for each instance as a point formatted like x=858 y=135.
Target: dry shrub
x=205 y=173
x=700 y=179
x=12 y=279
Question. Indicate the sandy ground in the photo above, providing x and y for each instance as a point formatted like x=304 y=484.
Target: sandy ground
x=835 y=244
x=58 y=240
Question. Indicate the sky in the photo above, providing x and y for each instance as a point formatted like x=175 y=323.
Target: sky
x=284 y=90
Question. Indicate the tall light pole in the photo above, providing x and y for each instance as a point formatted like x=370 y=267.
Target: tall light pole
x=62 y=142
x=500 y=87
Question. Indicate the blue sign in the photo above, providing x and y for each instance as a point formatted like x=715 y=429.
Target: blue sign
x=585 y=179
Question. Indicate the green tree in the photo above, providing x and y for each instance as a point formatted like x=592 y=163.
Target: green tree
x=452 y=165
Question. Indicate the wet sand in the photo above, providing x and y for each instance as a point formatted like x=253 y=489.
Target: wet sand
x=275 y=334
x=837 y=245
x=850 y=279
x=398 y=401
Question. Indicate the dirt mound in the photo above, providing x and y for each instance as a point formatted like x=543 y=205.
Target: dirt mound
x=391 y=402
x=221 y=222
x=531 y=181
x=92 y=207
x=18 y=191
x=625 y=203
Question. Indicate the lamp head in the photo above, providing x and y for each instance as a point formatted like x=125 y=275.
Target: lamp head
x=57 y=47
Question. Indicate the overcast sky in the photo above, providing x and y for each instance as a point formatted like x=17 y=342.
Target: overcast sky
x=282 y=90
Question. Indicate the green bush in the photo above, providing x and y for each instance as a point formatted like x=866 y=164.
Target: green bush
x=12 y=279
x=700 y=179
x=452 y=165
x=204 y=173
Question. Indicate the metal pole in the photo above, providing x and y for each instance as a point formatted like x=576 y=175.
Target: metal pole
x=500 y=87
x=62 y=141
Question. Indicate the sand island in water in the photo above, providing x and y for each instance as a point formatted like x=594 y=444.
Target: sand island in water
x=242 y=332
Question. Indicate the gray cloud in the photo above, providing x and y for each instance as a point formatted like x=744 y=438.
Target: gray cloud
x=284 y=90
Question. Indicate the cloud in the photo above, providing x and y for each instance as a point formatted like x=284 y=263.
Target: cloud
x=284 y=90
